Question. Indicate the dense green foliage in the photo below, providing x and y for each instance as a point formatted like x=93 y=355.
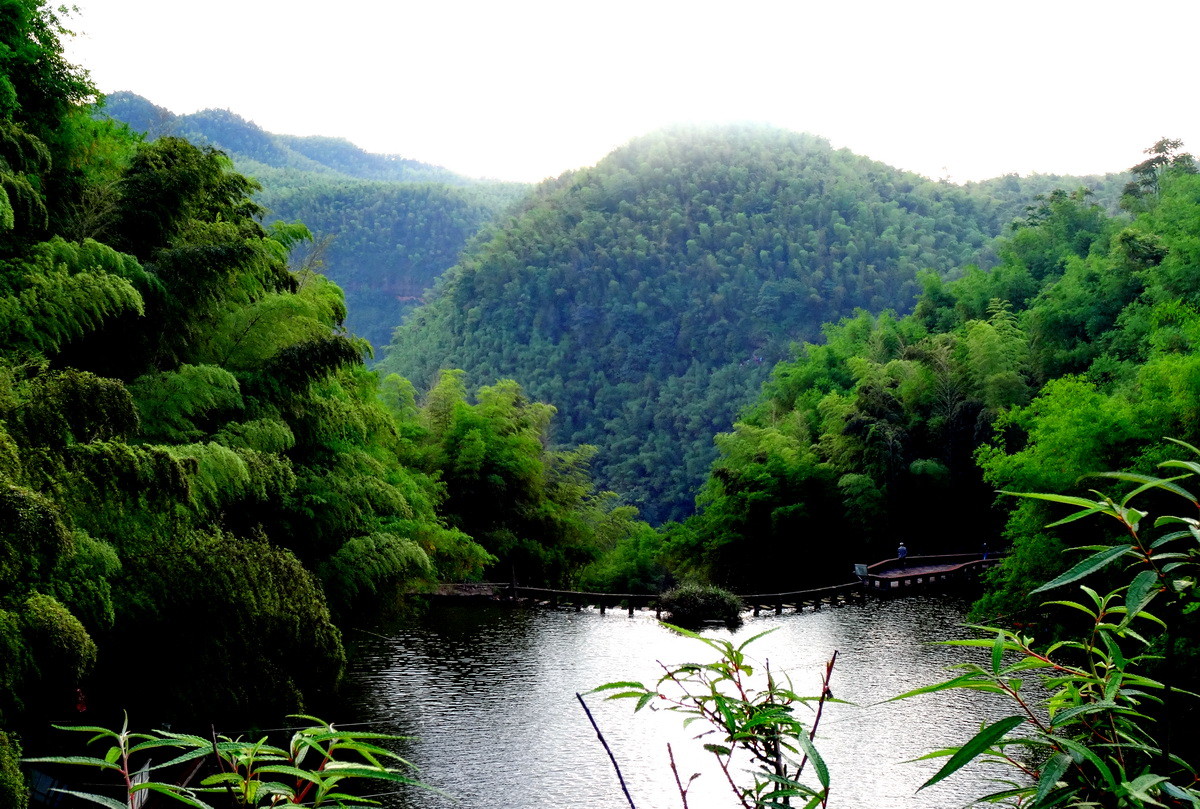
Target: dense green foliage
x=1104 y=725
x=386 y=226
x=647 y=297
x=390 y=240
x=196 y=467
x=318 y=766
x=1107 y=727
x=1075 y=353
x=196 y=464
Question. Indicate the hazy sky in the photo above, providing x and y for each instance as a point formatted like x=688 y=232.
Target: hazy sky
x=524 y=89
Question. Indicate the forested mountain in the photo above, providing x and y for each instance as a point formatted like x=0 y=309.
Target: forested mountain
x=1077 y=354
x=649 y=296
x=393 y=224
x=200 y=481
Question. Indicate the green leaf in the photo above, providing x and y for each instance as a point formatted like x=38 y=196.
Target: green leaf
x=718 y=749
x=957 y=682
x=613 y=686
x=1190 y=466
x=88 y=729
x=109 y=803
x=1141 y=592
x=1168 y=519
x=1140 y=786
x=1087 y=567
x=1081 y=753
x=1091 y=505
x=1180 y=794
x=1134 y=516
x=1078 y=515
x=191 y=755
x=350 y=770
x=818 y=763
x=295 y=772
x=1183 y=444
x=626 y=695
x=998 y=652
x=1051 y=773
x=87 y=761
x=981 y=743
x=1079 y=710
x=175 y=792
x=1148 y=482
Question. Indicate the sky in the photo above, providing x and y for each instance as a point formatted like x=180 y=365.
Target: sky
x=527 y=89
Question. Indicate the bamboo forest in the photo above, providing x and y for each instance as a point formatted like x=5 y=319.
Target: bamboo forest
x=263 y=397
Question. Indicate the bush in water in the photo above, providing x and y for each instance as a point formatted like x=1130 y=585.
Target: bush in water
x=690 y=605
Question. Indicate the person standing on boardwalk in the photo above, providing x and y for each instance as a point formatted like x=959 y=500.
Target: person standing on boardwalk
x=902 y=555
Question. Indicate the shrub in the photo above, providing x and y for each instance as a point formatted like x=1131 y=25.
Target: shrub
x=690 y=605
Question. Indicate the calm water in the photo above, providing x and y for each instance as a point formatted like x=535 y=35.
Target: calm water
x=488 y=695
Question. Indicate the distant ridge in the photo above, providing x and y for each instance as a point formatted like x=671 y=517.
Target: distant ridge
x=396 y=224
x=240 y=138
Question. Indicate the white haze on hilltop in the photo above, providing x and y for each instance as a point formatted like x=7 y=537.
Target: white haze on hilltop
x=526 y=89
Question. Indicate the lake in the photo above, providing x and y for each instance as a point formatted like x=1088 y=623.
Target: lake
x=487 y=693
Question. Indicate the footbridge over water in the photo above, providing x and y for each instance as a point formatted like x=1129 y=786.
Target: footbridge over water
x=888 y=578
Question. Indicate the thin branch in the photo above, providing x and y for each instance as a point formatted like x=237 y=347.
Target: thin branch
x=608 y=750
x=825 y=694
x=221 y=763
x=675 y=771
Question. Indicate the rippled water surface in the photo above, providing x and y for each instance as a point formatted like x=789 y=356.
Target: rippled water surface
x=488 y=695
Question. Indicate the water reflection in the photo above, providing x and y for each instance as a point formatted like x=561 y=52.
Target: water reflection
x=488 y=693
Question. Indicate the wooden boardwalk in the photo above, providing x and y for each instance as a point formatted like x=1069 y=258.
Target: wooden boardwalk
x=887 y=578
x=893 y=577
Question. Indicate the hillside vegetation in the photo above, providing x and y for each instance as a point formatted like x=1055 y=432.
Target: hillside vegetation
x=648 y=297
x=386 y=226
x=201 y=484
x=1076 y=354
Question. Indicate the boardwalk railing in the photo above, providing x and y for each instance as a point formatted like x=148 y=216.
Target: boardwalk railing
x=834 y=596
x=887 y=578
x=893 y=576
x=630 y=601
x=799 y=599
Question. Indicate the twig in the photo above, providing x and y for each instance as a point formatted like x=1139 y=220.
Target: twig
x=221 y=763
x=675 y=771
x=608 y=750
x=825 y=694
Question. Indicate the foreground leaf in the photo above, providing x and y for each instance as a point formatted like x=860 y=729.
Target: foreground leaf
x=981 y=743
x=1087 y=567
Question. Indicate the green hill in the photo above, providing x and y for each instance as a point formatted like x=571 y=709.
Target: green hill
x=648 y=296
x=395 y=223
